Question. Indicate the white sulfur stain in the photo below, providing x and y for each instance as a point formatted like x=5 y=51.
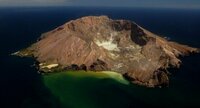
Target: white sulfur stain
x=108 y=44
x=118 y=65
x=114 y=56
x=48 y=66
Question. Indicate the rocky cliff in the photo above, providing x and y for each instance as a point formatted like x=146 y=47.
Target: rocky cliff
x=98 y=43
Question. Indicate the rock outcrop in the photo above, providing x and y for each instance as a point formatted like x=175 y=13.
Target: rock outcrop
x=98 y=43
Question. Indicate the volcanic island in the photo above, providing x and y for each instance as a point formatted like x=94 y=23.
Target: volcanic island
x=98 y=43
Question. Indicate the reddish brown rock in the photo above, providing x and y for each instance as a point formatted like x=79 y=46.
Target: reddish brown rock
x=99 y=43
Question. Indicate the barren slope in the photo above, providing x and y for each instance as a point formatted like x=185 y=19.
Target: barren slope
x=99 y=43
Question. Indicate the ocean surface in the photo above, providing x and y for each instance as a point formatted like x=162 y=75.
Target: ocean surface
x=22 y=87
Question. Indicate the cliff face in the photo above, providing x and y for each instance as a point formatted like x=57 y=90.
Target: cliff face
x=99 y=43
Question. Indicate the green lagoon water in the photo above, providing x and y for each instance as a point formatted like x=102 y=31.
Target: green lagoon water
x=88 y=89
x=107 y=90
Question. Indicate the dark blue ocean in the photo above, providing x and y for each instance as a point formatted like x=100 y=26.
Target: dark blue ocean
x=20 y=27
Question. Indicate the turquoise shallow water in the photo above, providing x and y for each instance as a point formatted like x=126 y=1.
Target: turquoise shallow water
x=21 y=85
